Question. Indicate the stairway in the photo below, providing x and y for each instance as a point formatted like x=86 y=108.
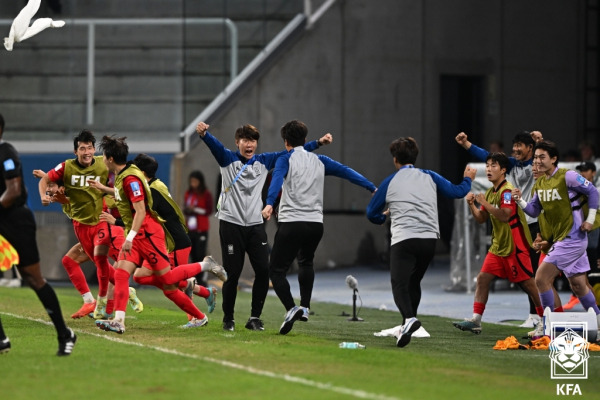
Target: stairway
x=149 y=81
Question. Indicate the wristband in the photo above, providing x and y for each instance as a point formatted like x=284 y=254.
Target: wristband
x=522 y=203
x=591 y=216
x=132 y=234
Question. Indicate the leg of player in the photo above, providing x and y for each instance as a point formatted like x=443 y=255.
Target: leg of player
x=72 y=264
x=123 y=271
x=482 y=290
x=66 y=337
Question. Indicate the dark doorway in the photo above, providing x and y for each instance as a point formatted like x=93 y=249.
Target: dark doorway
x=461 y=110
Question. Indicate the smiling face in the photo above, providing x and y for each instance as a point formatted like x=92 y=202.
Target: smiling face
x=545 y=163
x=494 y=172
x=85 y=153
x=521 y=151
x=247 y=147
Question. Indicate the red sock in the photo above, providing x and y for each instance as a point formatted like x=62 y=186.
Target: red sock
x=75 y=275
x=151 y=280
x=182 y=284
x=559 y=309
x=183 y=302
x=540 y=311
x=121 y=289
x=111 y=273
x=102 y=267
x=110 y=306
x=181 y=273
x=204 y=292
x=478 y=308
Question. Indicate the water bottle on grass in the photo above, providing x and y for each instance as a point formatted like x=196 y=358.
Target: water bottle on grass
x=352 y=345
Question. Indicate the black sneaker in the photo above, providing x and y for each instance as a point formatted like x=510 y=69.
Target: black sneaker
x=4 y=346
x=229 y=325
x=65 y=345
x=255 y=324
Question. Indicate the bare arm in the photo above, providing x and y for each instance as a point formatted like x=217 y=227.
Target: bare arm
x=103 y=188
x=12 y=192
x=502 y=214
x=479 y=215
x=138 y=219
x=43 y=189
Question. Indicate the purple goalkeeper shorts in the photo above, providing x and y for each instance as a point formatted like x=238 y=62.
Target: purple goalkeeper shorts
x=569 y=256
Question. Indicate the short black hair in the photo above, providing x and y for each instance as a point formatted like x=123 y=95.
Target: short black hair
x=294 y=132
x=84 y=136
x=116 y=148
x=404 y=150
x=525 y=138
x=550 y=148
x=499 y=158
x=247 y=132
x=146 y=164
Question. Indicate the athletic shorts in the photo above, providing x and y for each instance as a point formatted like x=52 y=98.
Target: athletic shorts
x=176 y=257
x=569 y=256
x=91 y=236
x=17 y=225
x=180 y=256
x=148 y=245
x=515 y=267
x=117 y=237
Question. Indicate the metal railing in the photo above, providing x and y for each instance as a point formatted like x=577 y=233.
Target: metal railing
x=299 y=23
x=91 y=43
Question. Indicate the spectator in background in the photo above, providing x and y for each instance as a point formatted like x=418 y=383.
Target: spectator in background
x=198 y=206
x=587 y=151
x=571 y=155
x=496 y=146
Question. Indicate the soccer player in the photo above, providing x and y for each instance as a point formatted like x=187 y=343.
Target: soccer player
x=508 y=256
x=76 y=255
x=145 y=240
x=411 y=195
x=519 y=175
x=241 y=228
x=167 y=209
x=569 y=226
x=17 y=225
x=85 y=206
x=301 y=174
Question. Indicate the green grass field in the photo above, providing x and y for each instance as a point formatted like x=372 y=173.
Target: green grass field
x=155 y=359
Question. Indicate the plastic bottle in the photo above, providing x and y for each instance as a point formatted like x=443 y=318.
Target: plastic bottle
x=352 y=345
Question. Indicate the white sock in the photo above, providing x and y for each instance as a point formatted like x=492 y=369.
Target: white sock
x=120 y=316
x=477 y=318
x=87 y=297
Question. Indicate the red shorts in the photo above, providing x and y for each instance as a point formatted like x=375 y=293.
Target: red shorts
x=515 y=267
x=180 y=256
x=91 y=236
x=149 y=245
x=117 y=237
x=177 y=257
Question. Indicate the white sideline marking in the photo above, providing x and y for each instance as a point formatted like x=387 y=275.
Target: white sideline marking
x=289 y=378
